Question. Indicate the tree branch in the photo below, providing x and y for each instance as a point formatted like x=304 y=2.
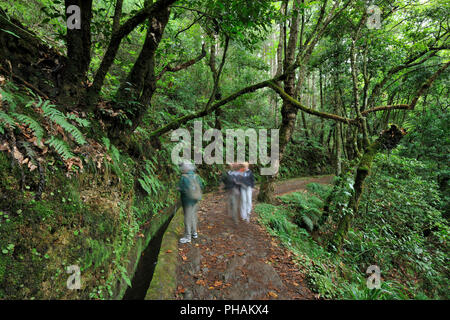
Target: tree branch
x=427 y=85
x=217 y=73
x=407 y=64
x=117 y=16
x=387 y=107
x=189 y=26
x=302 y=107
x=182 y=66
x=115 y=41
x=182 y=120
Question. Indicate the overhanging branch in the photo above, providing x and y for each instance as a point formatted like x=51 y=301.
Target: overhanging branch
x=184 y=65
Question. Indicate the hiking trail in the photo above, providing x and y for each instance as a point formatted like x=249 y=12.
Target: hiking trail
x=237 y=262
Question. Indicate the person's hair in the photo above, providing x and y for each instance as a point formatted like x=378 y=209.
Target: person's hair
x=186 y=167
x=235 y=166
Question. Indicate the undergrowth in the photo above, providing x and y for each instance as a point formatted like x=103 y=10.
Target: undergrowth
x=87 y=212
x=399 y=228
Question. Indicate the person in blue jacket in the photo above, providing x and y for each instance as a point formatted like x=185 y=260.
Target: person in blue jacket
x=231 y=187
x=190 y=187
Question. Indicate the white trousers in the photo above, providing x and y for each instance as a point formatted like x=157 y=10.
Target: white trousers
x=246 y=202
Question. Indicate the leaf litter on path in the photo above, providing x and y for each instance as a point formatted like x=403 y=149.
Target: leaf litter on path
x=239 y=253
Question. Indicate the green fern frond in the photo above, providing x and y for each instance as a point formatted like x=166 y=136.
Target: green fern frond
x=9 y=98
x=308 y=222
x=149 y=181
x=106 y=142
x=61 y=147
x=81 y=122
x=6 y=119
x=76 y=134
x=146 y=185
x=115 y=154
x=58 y=117
x=33 y=124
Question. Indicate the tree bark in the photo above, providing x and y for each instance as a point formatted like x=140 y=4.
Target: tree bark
x=108 y=59
x=288 y=111
x=78 y=42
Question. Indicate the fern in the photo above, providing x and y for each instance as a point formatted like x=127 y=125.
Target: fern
x=58 y=117
x=33 y=124
x=81 y=122
x=308 y=222
x=9 y=98
x=5 y=118
x=106 y=142
x=149 y=182
x=61 y=147
x=307 y=209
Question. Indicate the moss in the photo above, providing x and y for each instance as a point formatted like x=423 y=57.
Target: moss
x=164 y=279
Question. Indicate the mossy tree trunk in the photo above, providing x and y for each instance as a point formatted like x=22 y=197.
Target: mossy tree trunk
x=388 y=140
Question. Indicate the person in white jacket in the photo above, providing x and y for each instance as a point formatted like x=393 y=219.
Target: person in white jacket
x=246 y=181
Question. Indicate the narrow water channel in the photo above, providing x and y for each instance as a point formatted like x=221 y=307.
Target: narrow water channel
x=147 y=263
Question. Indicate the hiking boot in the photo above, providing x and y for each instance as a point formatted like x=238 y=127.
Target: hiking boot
x=195 y=235
x=185 y=240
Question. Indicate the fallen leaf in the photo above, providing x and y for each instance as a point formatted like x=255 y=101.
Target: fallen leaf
x=217 y=283
x=31 y=166
x=273 y=294
x=169 y=251
x=201 y=282
x=17 y=155
x=180 y=289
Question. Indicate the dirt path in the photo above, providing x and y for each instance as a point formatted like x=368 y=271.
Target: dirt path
x=238 y=262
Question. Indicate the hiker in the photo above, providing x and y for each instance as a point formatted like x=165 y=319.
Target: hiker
x=232 y=189
x=246 y=183
x=190 y=187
